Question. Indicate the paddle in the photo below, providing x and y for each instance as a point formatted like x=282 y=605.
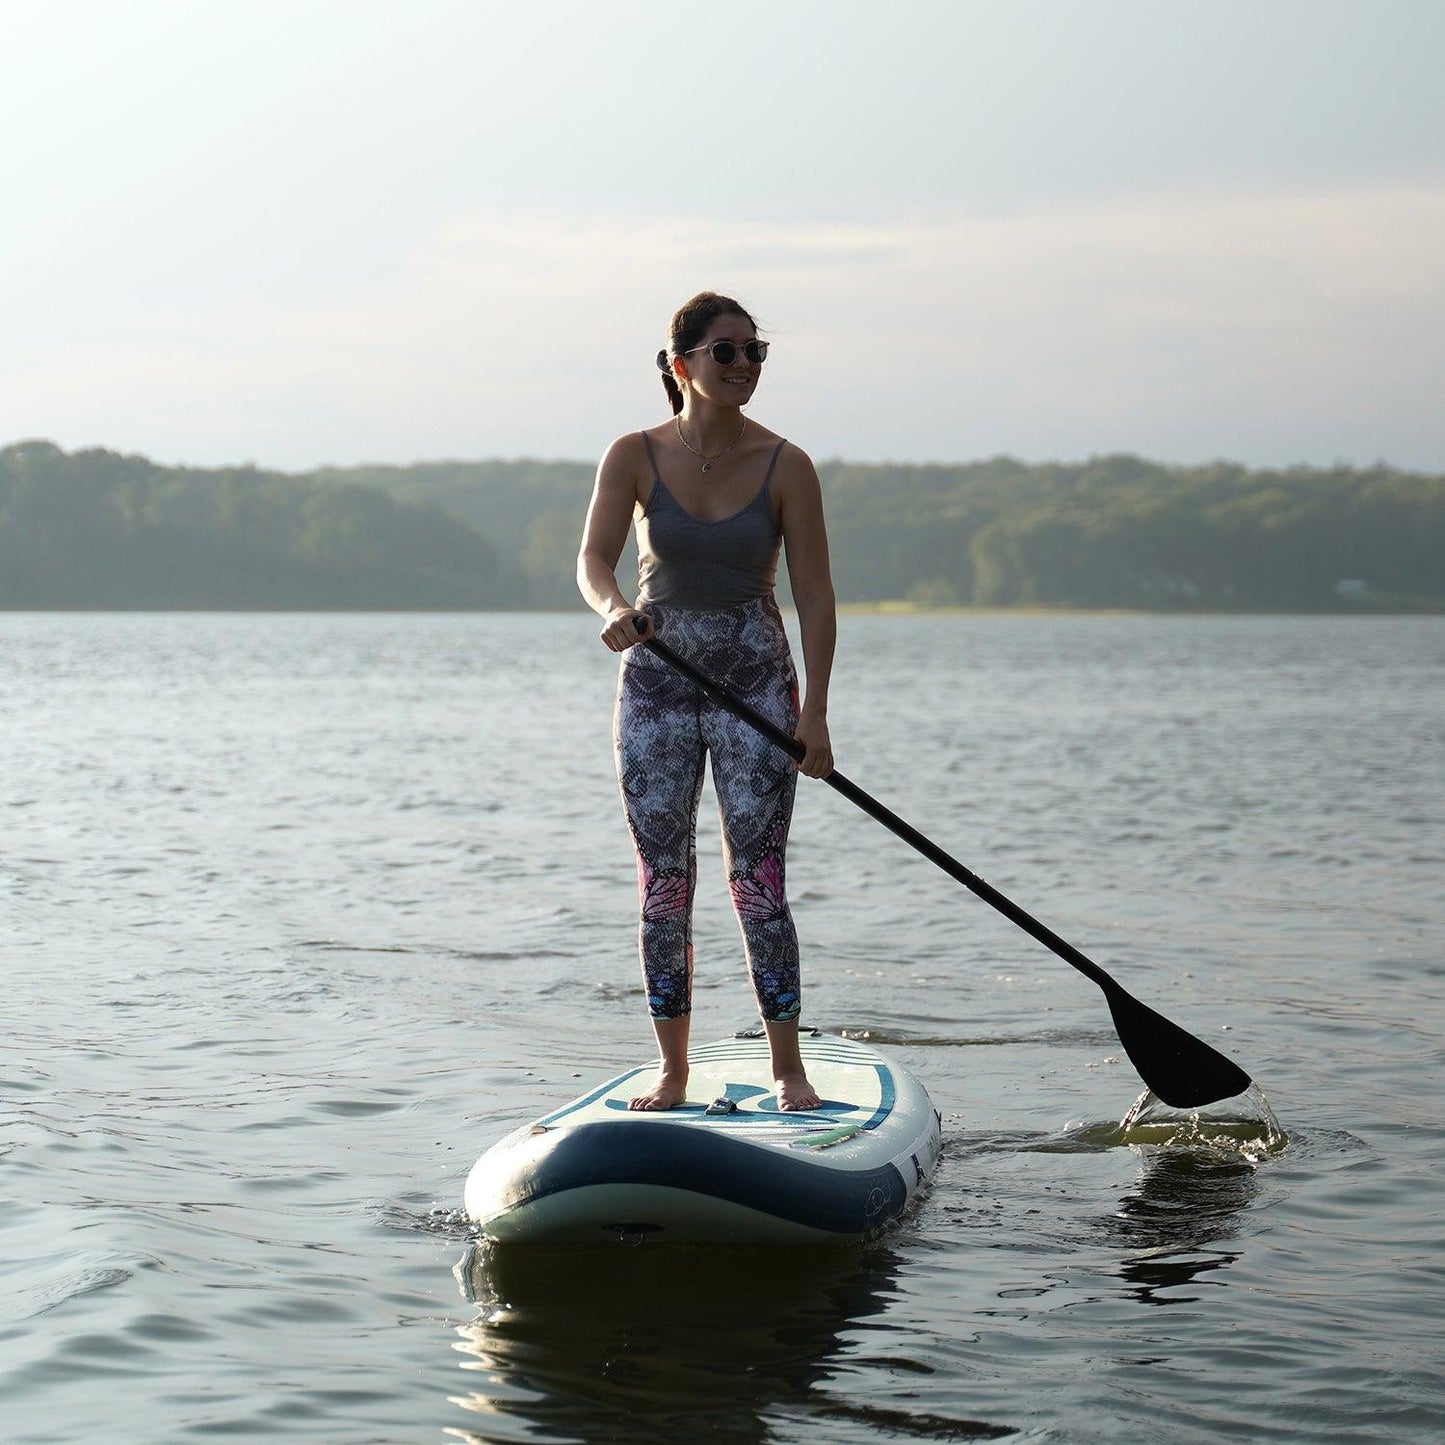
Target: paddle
x=1185 y=1072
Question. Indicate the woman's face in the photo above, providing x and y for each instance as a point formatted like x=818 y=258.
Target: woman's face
x=732 y=384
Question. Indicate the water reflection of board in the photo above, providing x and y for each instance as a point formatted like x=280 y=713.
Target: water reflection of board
x=727 y=1165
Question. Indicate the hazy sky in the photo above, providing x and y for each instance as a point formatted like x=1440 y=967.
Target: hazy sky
x=307 y=231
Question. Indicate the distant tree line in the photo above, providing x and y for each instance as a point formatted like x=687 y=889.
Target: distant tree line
x=94 y=529
x=1118 y=531
x=97 y=529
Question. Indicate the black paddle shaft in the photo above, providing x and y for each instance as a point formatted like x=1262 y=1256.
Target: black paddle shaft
x=1182 y=1070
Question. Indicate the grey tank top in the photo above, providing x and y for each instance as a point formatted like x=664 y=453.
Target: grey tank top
x=687 y=563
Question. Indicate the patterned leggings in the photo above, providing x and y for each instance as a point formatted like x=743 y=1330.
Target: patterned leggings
x=664 y=727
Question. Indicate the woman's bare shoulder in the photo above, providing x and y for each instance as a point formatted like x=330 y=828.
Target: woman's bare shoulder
x=629 y=447
x=626 y=469
x=794 y=467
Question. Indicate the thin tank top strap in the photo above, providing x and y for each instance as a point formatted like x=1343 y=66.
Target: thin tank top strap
x=773 y=461
x=652 y=459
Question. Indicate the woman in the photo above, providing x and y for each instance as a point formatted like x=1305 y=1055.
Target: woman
x=715 y=496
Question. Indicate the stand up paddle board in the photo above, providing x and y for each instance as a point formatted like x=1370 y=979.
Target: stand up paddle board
x=727 y=1165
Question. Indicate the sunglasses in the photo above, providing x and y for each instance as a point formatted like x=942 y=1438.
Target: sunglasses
x=726 y=352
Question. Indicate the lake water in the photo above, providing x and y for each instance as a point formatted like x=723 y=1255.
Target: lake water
x=303 y=912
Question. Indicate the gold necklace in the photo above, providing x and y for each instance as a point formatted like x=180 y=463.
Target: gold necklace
x=707 y=461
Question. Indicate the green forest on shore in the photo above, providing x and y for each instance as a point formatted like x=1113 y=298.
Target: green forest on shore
x=95 y=529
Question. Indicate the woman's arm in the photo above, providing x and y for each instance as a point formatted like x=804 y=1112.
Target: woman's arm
x=805 y=538
x=609 y=515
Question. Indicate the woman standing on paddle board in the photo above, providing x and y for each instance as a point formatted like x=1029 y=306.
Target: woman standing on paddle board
x=715 y=497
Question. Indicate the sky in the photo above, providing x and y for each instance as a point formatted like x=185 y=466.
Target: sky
x=308 y=232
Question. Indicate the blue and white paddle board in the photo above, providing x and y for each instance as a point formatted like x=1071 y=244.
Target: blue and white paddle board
x=727 y=1165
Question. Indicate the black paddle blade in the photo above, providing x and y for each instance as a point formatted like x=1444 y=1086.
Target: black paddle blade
x=1185 y=1072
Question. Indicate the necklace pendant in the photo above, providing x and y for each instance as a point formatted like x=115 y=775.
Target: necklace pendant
x=706 y=460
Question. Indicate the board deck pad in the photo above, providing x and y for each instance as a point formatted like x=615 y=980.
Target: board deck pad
x=854 y=1087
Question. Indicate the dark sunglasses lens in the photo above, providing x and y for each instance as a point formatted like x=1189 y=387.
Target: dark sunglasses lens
x=726 y=352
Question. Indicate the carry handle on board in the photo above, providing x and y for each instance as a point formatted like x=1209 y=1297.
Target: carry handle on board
x=1183 y=1071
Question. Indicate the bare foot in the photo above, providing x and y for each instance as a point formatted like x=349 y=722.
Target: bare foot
x=667 y=1093
x=795 y=1092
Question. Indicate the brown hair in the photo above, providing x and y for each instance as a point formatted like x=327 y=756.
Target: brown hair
x=689 y=325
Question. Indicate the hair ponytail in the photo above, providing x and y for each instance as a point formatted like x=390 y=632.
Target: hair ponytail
x=669 y=382
x=689 y=325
